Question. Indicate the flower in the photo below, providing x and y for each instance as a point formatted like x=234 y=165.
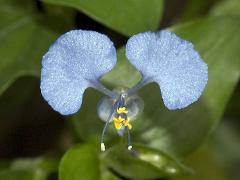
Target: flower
x=78 y=59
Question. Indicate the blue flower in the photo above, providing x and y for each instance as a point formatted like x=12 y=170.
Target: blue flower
x=78 y=59
x=172 y=63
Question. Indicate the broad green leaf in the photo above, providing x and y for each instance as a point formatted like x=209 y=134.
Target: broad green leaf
x=80 y=162
x=205 y=166
x=142 y=163
x=177 y=132
x=227 y=7
x=24 y=37
x=126 y=16
x=83 y=162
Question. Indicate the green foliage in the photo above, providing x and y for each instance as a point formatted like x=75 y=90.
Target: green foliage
x=126 y=16
x=163 y=136
x=21 y=175
x=143 y=162
x=30 y=169
x=23 y=42
x=230 y=7
x=80 y=161
x=195 y=8
x=205 y=166
x=87 y=162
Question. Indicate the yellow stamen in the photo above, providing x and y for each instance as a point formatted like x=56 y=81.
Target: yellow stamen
x=126 y=123
x=119 y=122
x=122 y=110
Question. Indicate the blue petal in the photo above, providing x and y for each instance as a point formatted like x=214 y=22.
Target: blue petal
x=171 y=62
x=73 y=63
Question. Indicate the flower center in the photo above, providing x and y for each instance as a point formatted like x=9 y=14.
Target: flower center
x=121 y=111
x=121 y=119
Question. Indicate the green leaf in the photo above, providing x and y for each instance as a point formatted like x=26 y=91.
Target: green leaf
x=80 y=162
x=83 y=162
x=204 y=165
x=24 y=39
x=227 y=7
x=142 y=163
x=126 y=16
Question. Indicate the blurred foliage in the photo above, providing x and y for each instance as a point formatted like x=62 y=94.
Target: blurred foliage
x=205 y=166
x=143 y=163
x=228 y=7
x=26 y=169
x=196 y=8
x=34 y=139
x=125 y=16
x=25 y=36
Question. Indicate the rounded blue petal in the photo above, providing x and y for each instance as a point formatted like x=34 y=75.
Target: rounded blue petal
x=171 y=62
x=73 y=63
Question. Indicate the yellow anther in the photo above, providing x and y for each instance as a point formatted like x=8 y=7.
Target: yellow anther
x=126 y=123
x=119 y=122
x=122 y=110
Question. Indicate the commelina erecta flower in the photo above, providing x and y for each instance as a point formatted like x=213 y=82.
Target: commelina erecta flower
x=79 y=58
